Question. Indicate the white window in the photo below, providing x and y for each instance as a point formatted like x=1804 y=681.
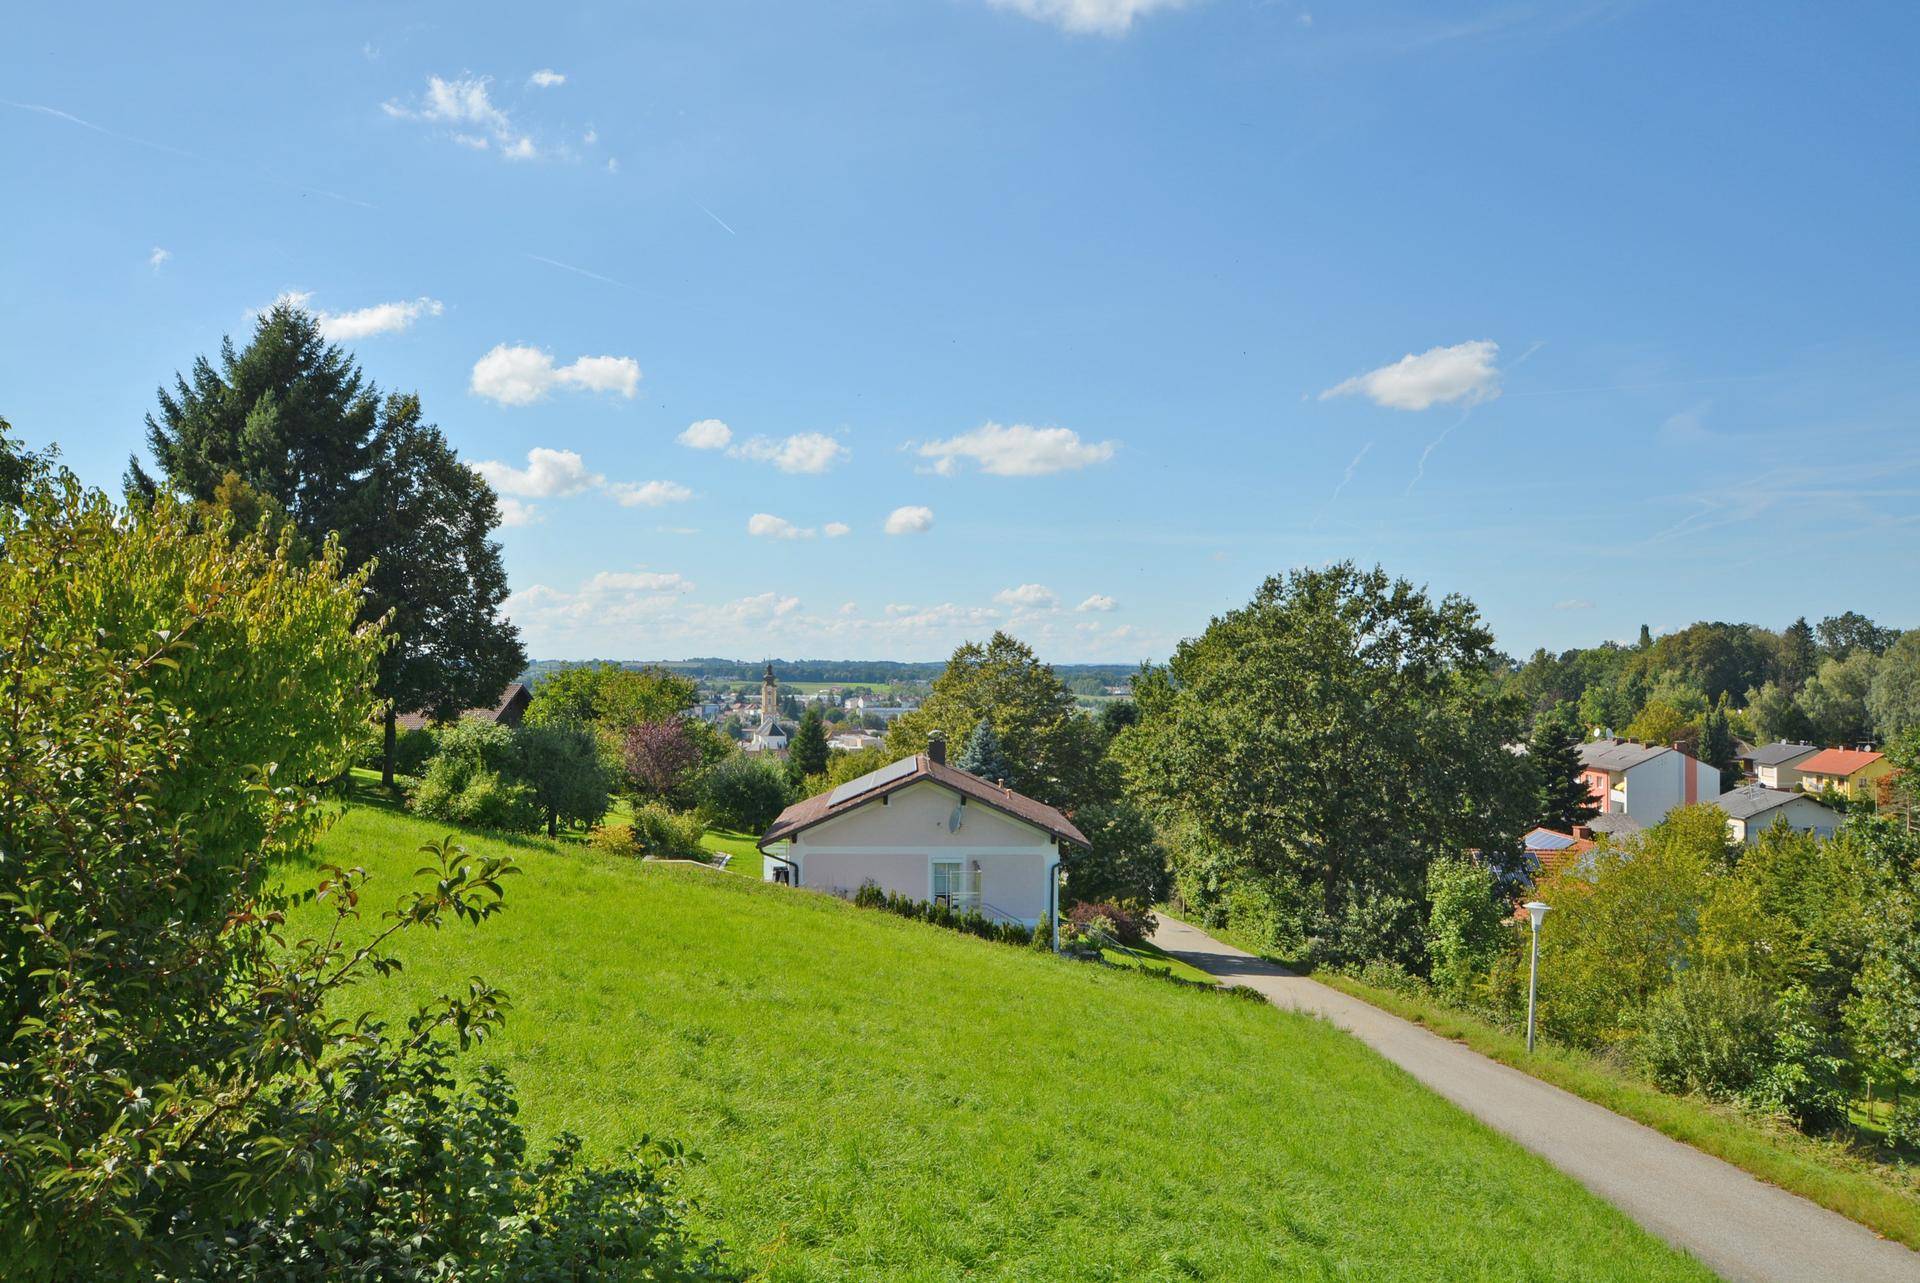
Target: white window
x=954 y=885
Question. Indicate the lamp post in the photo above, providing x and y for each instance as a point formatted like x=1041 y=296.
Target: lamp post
x=1536 y=910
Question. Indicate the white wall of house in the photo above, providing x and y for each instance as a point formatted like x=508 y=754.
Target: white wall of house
x=1659 y=784
x=1803 y=813
x=1784 y=778
x=902 y=842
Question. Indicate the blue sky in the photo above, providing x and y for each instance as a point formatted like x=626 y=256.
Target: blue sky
x=1077 y=317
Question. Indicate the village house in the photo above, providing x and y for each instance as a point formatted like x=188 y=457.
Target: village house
x=1643 y=782
x=1551 y=850
x=506 y=711
x=921 y=828
x=1775 y=765
x=1852 y=772
x=1754 y=808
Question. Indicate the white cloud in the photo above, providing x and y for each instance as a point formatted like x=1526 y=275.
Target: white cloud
x=649 y=494
x=1097 y=17
x=809 y=452
x=1099 y=601
x=515 y=513
x=158 y=258
x=591 y=137
x=549 y=474
x=1017 y=450
x=1464 y=373
x=767 y=526
x=381 y=318
x=546 y=78
x=362 y=323
x=1573 y=603
x=910 y=520
x=464 y=105
x=835 y=529
x=638 y=581
x=707 y=434
x=1028 y=596
x=523 y=375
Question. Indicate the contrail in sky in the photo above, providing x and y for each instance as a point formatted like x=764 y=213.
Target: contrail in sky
x=1435 y=445
x=578 y=271
x=1344 y=479
x=716 y=218
x=169 y=148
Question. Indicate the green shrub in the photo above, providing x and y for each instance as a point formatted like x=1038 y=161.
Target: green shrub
x=744 y=792
x=468 y=782
x=970 y=921
x=614 y=839
x=1466 y=923
x=411 y=751
x=1711 y=1031
x=666 y=834
x=1803 y=1079
x=1042 y=937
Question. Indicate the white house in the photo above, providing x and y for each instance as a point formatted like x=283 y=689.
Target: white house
x=1774 y=764
x=1754 y=809
x=1644 y=781
x=921 y=828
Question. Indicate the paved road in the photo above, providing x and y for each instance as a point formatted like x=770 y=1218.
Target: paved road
x=1744 y=1229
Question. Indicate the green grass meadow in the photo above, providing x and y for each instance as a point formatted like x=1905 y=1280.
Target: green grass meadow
x=880 y=1099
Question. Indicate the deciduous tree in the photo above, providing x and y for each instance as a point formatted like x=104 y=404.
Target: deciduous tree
x=1325 y=743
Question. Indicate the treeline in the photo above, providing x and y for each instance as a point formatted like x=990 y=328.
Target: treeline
x=1082 y=679
x=1844 y=681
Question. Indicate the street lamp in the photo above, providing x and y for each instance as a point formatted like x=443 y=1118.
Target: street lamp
x=1536 y=910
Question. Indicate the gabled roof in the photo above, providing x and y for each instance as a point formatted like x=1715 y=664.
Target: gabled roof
x=1552 y=850
x=1614 y=822
x=1617 y=755
x=1837 y=761
x=511 y=704
x=1781 y=753
x=895 y=776
x=1753 y=799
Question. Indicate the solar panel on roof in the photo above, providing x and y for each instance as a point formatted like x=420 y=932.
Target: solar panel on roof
x=1541 y=841
x=874 y=779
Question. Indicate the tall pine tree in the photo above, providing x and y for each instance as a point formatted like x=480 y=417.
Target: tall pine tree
x=291 y=417
x=1564 y=798
x=807 y=755
x=981 y=755
x=1799 y=655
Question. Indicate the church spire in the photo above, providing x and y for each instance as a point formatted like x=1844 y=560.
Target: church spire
x=769 y=696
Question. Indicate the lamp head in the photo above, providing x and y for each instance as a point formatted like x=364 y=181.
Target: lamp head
x=1536 y=910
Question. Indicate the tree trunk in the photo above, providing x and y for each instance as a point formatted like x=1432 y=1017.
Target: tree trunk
x=386 y=760
x=553 y=823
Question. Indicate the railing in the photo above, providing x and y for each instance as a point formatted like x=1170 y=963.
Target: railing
x=958 y=889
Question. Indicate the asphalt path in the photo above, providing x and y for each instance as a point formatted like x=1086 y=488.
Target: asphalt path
x=1742 y=1228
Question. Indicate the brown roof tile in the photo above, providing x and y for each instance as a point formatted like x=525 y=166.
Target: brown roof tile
x=810 y=811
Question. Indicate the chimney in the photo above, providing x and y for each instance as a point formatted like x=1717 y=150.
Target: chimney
x=937 y=749
x=1679 y=746
x=1582 y=833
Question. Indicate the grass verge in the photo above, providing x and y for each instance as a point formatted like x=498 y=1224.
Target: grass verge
x=1826 y=1172
x=881 y=1099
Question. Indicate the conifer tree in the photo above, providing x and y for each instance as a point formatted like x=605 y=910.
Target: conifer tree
x=291 y=417
x=807 y=755
x=1565 y=799
x=982 y=756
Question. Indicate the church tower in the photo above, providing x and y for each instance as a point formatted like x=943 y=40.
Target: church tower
x=769 y=697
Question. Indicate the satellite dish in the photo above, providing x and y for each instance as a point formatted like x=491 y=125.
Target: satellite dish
x=953 y=821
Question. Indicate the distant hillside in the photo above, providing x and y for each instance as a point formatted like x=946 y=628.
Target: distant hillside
x=878 y=1099
x=1085 y=679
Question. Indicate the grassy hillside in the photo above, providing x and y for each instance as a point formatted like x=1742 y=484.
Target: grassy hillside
x=879 y=1099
